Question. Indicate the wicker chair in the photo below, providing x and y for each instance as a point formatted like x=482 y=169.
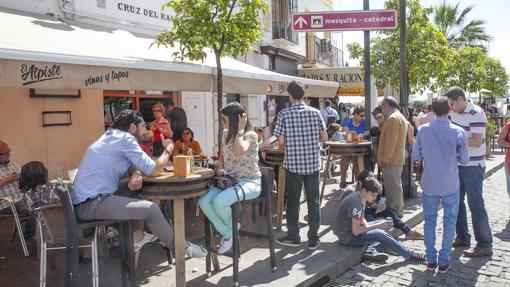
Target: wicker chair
x=17 y=226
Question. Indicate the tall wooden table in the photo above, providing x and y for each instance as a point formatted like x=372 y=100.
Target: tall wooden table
x=275 y=157
x=169 y=187
x=337 y=149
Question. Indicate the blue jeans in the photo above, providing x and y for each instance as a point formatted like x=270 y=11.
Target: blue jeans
x=379 y=235
x=450 y=212
x=471 y=183
x=216 y=204
x=370 y=215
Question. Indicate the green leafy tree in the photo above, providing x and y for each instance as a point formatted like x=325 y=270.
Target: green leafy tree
x=465 y=70
x=228 y=27
x=472 y=70
x=495 y=78
x=453 y=22
x=427 y=53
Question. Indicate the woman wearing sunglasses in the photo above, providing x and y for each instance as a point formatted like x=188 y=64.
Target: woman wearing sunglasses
x=160 y=126
x=187 y=143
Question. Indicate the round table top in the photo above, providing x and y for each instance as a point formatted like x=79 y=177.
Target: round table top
x=275 y=151
x=199 y=173
x=346 y=144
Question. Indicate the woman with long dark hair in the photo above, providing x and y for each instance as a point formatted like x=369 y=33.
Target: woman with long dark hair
x=239 y=159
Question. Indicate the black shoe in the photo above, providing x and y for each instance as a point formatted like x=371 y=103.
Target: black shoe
x=375 y=256
x=314 y=244
x=444 y=268
x=417 y=256
x=431 y=266
x=286 y=241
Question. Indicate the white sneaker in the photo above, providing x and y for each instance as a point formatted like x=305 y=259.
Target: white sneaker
x=223 y=239
x=226 y=245
x=147 y=237
x=193 y=250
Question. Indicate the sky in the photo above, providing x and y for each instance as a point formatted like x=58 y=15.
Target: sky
x=494 y=12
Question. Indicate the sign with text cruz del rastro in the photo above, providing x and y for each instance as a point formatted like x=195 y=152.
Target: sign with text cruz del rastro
x=344 y=21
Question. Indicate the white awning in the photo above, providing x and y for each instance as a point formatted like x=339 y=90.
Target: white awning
x=43 y=52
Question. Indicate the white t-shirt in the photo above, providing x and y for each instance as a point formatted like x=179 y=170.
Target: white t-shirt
x=472 y=120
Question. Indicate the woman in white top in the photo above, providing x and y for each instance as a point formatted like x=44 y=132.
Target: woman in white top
x=239 y=159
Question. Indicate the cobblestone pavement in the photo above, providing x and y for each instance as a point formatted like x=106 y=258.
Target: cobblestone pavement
x=465 y=271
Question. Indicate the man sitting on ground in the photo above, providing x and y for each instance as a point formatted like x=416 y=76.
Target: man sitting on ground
x=352 y=228
x=116 y=153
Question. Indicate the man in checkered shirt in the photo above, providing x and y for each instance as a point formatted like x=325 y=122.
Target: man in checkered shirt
x=9 y=177
x=300 y=129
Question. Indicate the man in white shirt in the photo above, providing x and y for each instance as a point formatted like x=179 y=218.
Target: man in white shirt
x=472 y=119
x=426 y=116
x=329 y=115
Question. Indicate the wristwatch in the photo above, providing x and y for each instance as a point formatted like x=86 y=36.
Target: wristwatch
x=240 y=132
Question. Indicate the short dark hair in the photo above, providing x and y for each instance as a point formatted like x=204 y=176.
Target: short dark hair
x=169 y=102
x=296 y=90
x=126 y=118
x=390 y=101
x=357 y=111
x=370 y=184
x=192 y=134
x=377 y=110
x=32 y=174
x=365 y=174
x=440 y=106
x=454 y=94
x=327 y=103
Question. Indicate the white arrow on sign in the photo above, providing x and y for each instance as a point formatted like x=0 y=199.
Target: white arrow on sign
x=300 y=21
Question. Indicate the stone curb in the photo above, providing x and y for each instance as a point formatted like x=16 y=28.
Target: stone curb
x=412 y=220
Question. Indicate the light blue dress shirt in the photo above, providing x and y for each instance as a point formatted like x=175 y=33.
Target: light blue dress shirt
x=105 y=162
x=441 y=145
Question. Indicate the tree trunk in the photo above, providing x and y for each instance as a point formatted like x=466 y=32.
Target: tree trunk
x=219 y=100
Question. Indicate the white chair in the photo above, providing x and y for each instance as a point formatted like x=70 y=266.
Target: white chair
x=53 y=236
x=17 y=221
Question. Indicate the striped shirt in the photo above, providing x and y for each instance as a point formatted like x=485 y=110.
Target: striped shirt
x=300 y=125
x=11 y=190
x=473 y=121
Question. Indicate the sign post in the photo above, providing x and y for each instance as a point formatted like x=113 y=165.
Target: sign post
x=344 y=21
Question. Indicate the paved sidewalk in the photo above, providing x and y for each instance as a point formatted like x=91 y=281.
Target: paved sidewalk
x=296 y=266
x=465 y=271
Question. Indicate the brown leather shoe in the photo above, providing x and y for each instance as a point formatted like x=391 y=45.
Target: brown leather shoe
x=460 y=243
x=478 y=252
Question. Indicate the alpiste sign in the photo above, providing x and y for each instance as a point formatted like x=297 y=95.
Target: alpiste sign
x=344 y=21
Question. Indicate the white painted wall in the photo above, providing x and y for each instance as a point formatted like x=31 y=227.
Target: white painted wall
x=33 y=6
x=199 y=110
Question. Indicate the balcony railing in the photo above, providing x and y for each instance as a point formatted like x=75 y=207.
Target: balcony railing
x=284 y=31
x=326 y=53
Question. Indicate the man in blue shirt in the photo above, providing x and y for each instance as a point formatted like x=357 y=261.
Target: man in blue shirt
x=300 y=129
x=441 y=145
x=115 y=154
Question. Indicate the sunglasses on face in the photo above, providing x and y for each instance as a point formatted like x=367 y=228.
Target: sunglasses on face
x=159 y=111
